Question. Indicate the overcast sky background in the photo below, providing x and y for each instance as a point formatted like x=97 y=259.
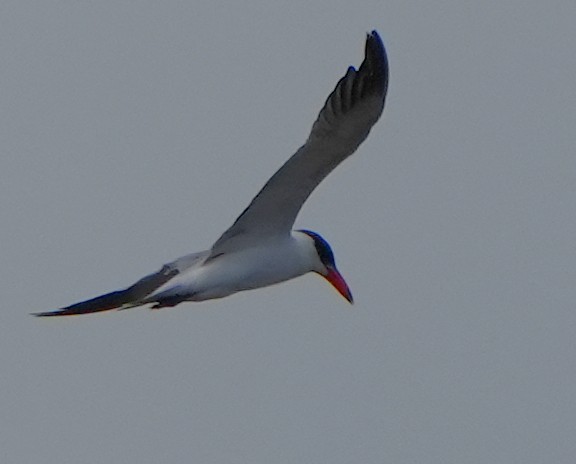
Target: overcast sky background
x=135 y=132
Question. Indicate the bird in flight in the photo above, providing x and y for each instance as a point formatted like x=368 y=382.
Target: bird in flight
x=260 y=248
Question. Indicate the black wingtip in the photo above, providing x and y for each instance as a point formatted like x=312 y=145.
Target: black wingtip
x=376 y=61
x=113 y=300
x=58 y=312
x=374 y=44
x=71 y=311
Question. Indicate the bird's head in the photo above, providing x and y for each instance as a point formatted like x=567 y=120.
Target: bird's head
x=327 y=267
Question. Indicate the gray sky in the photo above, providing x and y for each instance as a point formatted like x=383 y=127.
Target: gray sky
x=135 y=132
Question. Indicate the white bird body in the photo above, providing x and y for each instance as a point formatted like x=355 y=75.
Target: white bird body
x=246 y=269
x=260 y=248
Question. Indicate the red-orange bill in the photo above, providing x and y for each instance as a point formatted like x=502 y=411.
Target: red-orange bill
x=338 y=282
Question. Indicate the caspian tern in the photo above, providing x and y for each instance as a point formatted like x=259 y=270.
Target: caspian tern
x=260 y=248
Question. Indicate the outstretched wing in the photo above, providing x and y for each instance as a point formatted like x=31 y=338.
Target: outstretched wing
x=343 y=124
x=133 y=295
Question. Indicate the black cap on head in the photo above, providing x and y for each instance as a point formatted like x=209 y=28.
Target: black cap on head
x=322 y=248
x=332 y=274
